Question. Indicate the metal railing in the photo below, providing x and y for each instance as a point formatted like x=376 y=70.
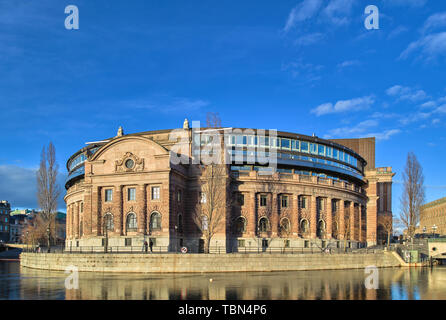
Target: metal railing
x=212 y=250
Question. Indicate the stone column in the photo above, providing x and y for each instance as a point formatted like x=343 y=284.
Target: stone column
x=142 y=208
x=119 y=216
x=313 y=217
x=67 y=225
x=329 y=214
x=294 y=215
x=274 y=213
x=352 y=220
x=361 y=209
x=341 y=226
x=93 y=203
x=251 y=227
x=76 y=220
x=372 y=212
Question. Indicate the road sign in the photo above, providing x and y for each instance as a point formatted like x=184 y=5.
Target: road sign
x=183 y=250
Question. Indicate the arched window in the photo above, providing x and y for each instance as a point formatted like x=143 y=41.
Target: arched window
x=240 y=225
x=131 y=222
x=155 y=221
x=108 y=222
x=304 y=226
x=285 y=225
x=320 y=228
x=263 y=224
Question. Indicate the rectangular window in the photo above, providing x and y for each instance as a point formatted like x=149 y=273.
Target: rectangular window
x=155 y=193
x=285 y=143
x=179 y=195
x=341 y=155
x=241 y=243
x=303 y=202
x=324 y=244
x=313 y=148
x=263 y=200
x=153 y=241
x=82 y=207
x=108 y=195
x=321 y=150
x=128 y=242
x=329 y=152
x=295 y=145
x=284 y=201
x=286 y=243
x=306 y=244
x=131 y=194
x=335 y=154
x=265 y=243
x=304 y=146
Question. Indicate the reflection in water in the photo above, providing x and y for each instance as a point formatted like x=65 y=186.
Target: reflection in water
x=397 y=284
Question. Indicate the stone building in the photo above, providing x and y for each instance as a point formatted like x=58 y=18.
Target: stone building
x=282 y=190
x=5 y=209
x=433 y=218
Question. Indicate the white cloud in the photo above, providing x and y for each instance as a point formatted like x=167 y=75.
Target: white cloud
x=406 y=93
x=309 y=39
x=436 y=121
x=385 y=135
x=435 y=21
x=441 y=109
x=303 y=11
x=338 y=11
x=349 y=63
x=344 y=106
x=352 y=131
x=419 y=116
x=428 y=47
x=429 y=104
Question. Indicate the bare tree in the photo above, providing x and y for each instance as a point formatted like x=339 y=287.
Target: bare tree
x=48 y=191
x=386 y=222
x=213 y=120
x=413 y=194
x=211 y=209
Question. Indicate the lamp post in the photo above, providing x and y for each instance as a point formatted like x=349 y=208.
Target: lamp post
x=27 y=241
x=48 y=233
x=434 y=229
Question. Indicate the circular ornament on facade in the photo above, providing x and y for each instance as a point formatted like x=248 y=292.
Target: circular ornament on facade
x=129 y=164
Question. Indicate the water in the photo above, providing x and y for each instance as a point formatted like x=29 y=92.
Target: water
x=394 y=284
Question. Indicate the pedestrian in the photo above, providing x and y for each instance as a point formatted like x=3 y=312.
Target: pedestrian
x=151 y=246
x=146 y=246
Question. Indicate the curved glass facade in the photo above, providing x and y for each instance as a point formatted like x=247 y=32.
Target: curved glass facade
x=299 y=146
x=76 y=165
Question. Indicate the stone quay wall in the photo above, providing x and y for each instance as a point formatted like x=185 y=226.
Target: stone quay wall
x=206 y=263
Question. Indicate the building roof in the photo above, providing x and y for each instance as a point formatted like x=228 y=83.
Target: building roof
x=434 y=203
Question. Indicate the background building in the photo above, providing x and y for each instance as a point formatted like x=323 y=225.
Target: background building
x=433 y=218
x=5 y=209
x=125 y=190
x=19 y=220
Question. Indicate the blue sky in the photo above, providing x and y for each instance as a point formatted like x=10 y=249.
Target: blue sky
x=299 y=66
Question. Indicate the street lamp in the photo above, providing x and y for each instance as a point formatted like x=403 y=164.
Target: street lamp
x=434 y=229
x=48 y=233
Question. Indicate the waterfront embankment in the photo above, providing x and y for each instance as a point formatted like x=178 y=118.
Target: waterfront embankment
x=207 y=263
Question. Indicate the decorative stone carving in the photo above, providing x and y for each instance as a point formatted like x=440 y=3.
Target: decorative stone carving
x=129 y=163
